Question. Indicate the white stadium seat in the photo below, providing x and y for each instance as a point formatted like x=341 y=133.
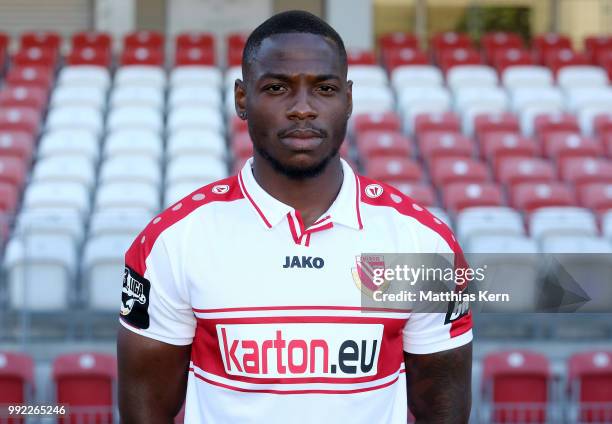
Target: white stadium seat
x=134 y=142
x=153 y=76
x=64 y=169
x=204 y=169
x=196 y=143
x=527 y=117
x=103 y=266
x=606 y=225
x=484 y=98
x=583 y=97
x=78 y=96
x=488 y=220
x=73 y=196
x=198 y=96
x=586 y=115
x=83 y=75
x=582 y=76
x=75 y=117
x=421 y=100
x=137 y=95
x=118 y=222
x=41 y=271
x=133 y=117
x=190 y=117
x=64 y=223
x=131 y=169
x=82 y=144
x=367 y=75
x=232 y=74
x=471 y=76
x=562 y=221
x=372 y=99
x=526 y=97
x=196 y=75
x=524 y=76
x=128 y=196
x=416 y=76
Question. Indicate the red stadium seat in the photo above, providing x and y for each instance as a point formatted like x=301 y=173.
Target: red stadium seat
x=23 y=96
x=38 y=76
x=590 y=385
x=241 y=145
x=386 y=121
x=422 y=193
x=391 y=170
x=194 y=56
x=596 y=196
x=530 y=196
x=505 y=58
x=383 y=143
x=404 y=56
x=563 y=145
x=95 y=56
x=607 y=142
x=557 y=59
x=394 y=40
x=85 y=381
x=235 y=45
x=17 y=144
x=201 y=40
x=152 y=40
x=16 y=379
x=517 y=170
x=234 y=56
x=595 y=45
x=450 y=170
x=4 y=41
x=546 y=123
x=456 y=57
x=602 y=124
x=605 y=61
x=20 y=119
x=91 y=39
x=545 y=43
x=445 y=122
x=485 y=123
x=35 y=56
x=516 y=387
x=495 y=146
x=142 y=56
x=361 y=57
x=12 y=171
x=580 y=171
x=492 y=42
x=436 y=145
x=461 y=195
x=8 y=204
x=46 y=39
x=450 y=40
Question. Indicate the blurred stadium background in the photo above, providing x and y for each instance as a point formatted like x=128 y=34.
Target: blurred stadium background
x=495 y=114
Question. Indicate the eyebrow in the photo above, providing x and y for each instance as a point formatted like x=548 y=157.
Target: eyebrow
x=286 y=77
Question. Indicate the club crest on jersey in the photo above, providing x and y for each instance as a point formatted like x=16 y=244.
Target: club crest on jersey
x=135 y=299
x=303 y=262
x=363 y=273
x=220 y=189
x=373 y=190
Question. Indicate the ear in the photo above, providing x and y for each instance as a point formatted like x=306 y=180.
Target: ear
x=240 y=99
x=349 y=98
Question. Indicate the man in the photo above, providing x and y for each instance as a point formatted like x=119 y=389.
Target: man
x=241 y=294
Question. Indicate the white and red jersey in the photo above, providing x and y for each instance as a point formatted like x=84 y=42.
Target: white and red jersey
x=271 y=308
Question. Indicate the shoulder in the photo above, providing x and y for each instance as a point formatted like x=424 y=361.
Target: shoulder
x=225 y=190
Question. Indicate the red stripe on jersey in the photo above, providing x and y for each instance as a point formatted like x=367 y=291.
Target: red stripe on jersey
x=252 y=201
x=300 y=308
x=141 y=247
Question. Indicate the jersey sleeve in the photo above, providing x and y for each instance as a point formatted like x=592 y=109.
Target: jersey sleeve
x=435 y=332
x=154 y=299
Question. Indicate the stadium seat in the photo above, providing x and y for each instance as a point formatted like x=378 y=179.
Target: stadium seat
x=35 y=56
x=140 y=75
x=397 y=39
x=121 y=196
x=461 y=195
x=134 y=142
x=372 y=144
x=606 y=219
x=17 y=144
x=603 y=123
x=23 y=96
x=556 y=60
x=196 y=76
x=64 y=169
x=103 y=264
x=4 y=40
x=485 y=123
x=488 y=221
x=416 y=76
x=492 y=245
x=458 y=57
x=562 y=146
x=40 y=269
x=194 y=56
x=360 y=57
x=580 y=171
x=367 y=75
x=405 y=56
x=137 y=96
x=582 y=97
x=526 y=97
x=525 y=76
x=436 y=145
x=68 y=95
x=545 y=43
x=417 y=100
x=385 y=121
x=135 y=117
x=450 y=40
x=422 y=193
x=508 y=58
x=9 y=195
x=493 y=42
x=195 y=117
x=369 y=99
x=89 y=56
x=65 y=195
x=530 y=196
x=16 y=378
x=436 y=122
x=390 y=170
x=203 y=40
x=495 y=146
x=562 y=221
x=81 y=143
x=93 y=39
x=47 y=39
x=57 y=222
x=589 y=381
x=451 y=170
x=204 y=169
x=587 y=118
x=84 y=75
x=20 y=119
x=142 y=56
x=595 y=45
x=144 y=38
x=517 y=170
x=554 y=122
x=471 y=76
x=582 y=76
x=12 y=171
x=483 y=99
x=75 y=118
x=86 y=382
x=195 y=96
x=30 y=76
x=241 y=145
x=189 y=143
x=117 y=222
x=596 y=196
x=131 y=169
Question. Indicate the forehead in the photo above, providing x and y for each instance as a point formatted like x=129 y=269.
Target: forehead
x=296 y=53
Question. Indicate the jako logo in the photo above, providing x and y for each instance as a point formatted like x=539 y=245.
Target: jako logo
x=373 y=190
x=303 y=262
x=300 y=349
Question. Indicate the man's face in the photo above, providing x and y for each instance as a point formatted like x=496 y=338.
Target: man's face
x=297 y=101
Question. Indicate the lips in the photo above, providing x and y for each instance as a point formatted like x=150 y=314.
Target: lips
x=302 y=140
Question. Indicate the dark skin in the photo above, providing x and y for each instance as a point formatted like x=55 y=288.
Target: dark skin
x=297 y=101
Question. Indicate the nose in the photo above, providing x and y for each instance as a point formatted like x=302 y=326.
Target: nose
x=301 y=107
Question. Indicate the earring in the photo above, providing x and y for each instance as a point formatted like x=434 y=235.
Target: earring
x=243 y=115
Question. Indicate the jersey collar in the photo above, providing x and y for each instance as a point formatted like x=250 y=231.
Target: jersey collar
x=344 y=210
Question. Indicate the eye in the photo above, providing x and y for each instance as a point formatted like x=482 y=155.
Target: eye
x=275 y=88
x=327 y=89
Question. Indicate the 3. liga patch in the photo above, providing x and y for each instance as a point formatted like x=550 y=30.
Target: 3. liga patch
x=135 y=299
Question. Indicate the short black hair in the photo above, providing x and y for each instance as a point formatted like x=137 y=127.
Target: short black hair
x=292 y=21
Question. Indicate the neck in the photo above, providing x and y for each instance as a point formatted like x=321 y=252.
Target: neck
x=310 y=196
